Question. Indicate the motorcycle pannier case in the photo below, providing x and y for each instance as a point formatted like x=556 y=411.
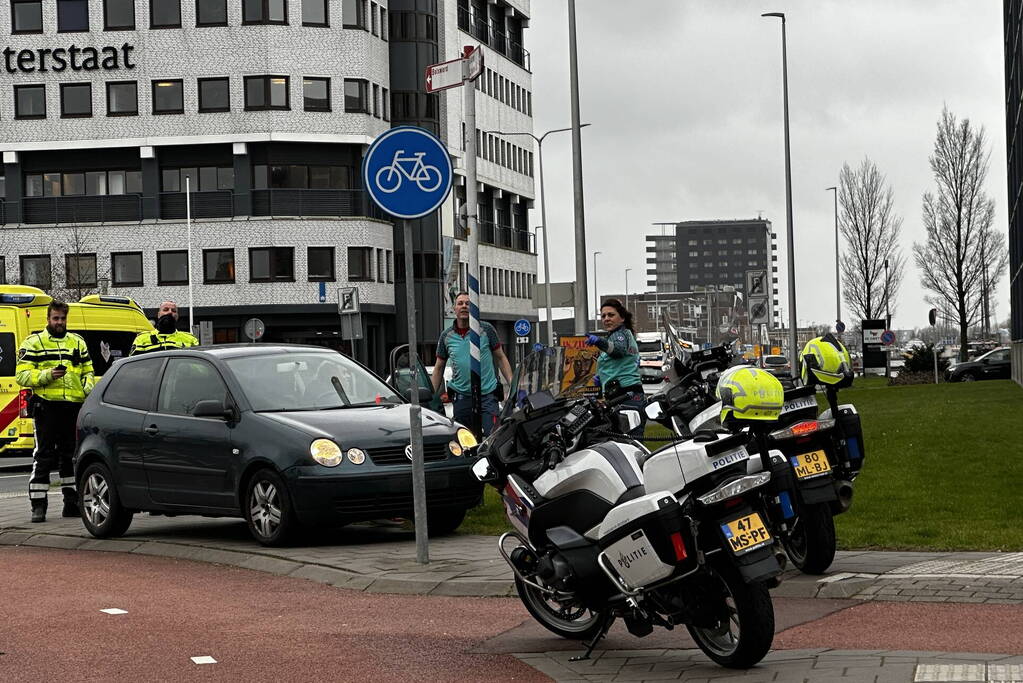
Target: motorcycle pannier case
x=645 y=540
x=852 y=431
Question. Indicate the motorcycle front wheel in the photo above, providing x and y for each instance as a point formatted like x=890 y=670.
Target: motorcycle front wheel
x=566 y=620
x=744 y=630
x=811 y=543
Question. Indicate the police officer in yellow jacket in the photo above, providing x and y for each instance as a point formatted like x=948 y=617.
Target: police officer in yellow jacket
x=166 y=336
x=55 y=364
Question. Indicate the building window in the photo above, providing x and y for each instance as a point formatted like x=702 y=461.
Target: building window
x=80 y=270
x=211 y=12
x=390 y=266
x=72 y=16
x=3 y=270
x=386 y=104
x=75 y=100
x=164 y=13
x=321 y=264
x=200 y=179
x=297 y=176
x=380 y=265
x=272 y=264
x=30 y=101
x=92 y=183
x=35 y=271
x=315 y=13
x=218 y=266
x=356 y=96
x=118 y=15
x=122 y=98
x=26 y=16
x=266 y=92
x=264 y=12
x=316 y=94
x=376 y=100
x=353 y=13
x=360 y=264
x=172 y=267
x=373 y=18
x=214 y=94
x=168 y=97
x=126 y=269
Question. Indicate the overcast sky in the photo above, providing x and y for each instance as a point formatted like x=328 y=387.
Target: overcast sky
x=685 y=98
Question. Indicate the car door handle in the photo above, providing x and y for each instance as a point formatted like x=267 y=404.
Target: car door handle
x=152 y=430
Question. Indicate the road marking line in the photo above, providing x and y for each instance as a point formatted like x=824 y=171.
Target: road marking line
x=14 y=476
x=205 y=659
x=114 y=610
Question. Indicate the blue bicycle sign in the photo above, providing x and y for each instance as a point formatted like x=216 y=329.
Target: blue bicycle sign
x=407 y=172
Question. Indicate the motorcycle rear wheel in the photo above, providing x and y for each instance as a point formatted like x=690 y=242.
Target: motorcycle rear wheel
x=811 y=544
x=745 y=628
x=573 y=622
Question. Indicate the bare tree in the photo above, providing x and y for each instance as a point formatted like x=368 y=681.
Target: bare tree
x=77 y=266
x=962 y=258
x=871 y=229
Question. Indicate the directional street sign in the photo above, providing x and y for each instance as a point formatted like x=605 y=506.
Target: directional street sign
x=756 y=283
x=444 y=75
x=254 y=329
x=759 y=313
x=473 y=63
x=407 y=172
x=522 y=327
x=348 y=300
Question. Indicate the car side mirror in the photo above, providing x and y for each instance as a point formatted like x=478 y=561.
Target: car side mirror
x=425 y=395
x=212 y=408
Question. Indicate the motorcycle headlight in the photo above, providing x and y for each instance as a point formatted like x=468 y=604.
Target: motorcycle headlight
x=466 y=439
x=326 y=452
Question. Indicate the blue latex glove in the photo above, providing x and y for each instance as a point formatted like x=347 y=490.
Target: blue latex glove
x=592 y=339
x=520 y=397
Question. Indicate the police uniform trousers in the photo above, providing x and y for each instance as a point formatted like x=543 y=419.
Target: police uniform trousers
x=55 y=424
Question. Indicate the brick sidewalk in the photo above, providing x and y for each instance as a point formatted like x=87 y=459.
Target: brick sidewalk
x=381 y=559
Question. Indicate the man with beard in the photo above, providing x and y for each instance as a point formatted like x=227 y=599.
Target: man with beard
x=55 y=364
x=166 y=336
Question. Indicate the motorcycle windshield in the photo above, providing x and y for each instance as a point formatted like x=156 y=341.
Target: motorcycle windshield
x=545 y=375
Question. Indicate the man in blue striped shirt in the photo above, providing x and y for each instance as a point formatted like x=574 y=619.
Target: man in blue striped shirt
x=453 y=346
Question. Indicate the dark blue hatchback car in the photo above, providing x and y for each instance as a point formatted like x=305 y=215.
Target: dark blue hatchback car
x=283 y=436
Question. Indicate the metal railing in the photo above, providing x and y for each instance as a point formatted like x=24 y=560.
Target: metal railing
x=82 y=209
x=479 y=28
x=299 y=202
x=210 y=204
x=507 y=237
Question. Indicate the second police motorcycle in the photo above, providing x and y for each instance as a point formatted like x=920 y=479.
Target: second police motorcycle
x=604 y=529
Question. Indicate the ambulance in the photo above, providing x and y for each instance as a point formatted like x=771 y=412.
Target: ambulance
x=108 y=324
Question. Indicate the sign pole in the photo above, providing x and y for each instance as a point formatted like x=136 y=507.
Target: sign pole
x=472 y=227
x=416 y=424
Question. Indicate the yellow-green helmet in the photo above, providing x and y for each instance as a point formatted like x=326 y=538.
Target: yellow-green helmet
x=826 y=361
x=749 y=394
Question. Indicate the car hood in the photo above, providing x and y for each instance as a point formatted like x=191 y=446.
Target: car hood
x=371 y=426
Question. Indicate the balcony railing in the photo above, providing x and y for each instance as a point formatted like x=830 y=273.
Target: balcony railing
x=479 y=28
x=502 y=236
x=79 y=209
x=216 y=204
x=3 y=212
x=298 y=202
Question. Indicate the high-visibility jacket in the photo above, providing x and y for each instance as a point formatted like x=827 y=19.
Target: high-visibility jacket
x=147 y=342
x=40 y=353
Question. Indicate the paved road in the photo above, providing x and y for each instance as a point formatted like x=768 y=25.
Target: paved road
x=256 y=625
x=13 y=484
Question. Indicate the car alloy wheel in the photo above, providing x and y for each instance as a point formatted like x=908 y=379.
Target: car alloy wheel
x=96 y=499
x=265 y=510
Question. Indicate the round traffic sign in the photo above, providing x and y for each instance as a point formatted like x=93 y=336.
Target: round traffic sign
x=887 y=337
x=522 y=327
x=254 y=329
x=839 y=326
x=407 y=172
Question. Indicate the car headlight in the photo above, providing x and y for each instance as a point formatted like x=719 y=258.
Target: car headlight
x=356 y=456
x=326 y=452
x=466 y=439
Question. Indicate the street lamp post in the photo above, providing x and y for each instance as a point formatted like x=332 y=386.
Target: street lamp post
x=887 y=319
x=627 y=288
x=788 y=196
x=543 y=215
x=596 y=294
x=577 y=177
x=838 y=281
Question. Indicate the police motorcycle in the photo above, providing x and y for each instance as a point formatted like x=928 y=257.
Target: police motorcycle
x=591 y=543
x=819 y=455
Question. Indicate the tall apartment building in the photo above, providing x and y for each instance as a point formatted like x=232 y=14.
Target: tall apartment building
x=697 y=255
x=1013 y=20
x=265 y=108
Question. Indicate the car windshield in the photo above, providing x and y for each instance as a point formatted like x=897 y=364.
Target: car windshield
x=290 y=382
x=774 y=360
x=649 y=346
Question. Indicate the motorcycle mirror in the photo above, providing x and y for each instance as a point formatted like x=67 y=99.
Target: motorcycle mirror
x=629 y=420
x=481 y=468
x=654 y=410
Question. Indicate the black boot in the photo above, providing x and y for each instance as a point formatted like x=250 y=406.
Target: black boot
x=70 y=510
x=39 y=514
